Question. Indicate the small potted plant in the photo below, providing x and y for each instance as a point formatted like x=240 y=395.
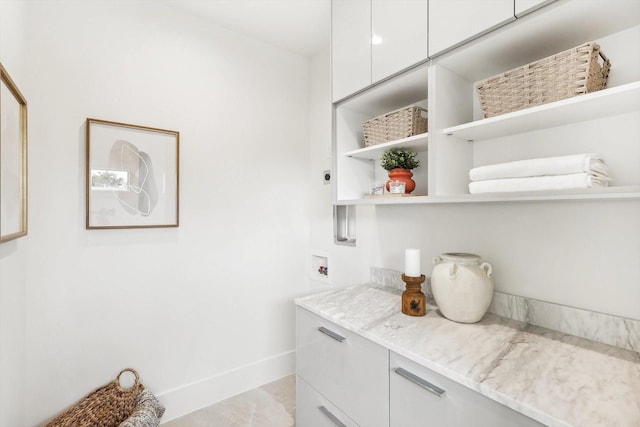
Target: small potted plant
x=399 y=162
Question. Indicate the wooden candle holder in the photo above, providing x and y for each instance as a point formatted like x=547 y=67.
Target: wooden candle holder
x=414 y=302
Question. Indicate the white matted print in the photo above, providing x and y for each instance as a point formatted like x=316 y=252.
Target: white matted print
x=132 y=176
x=13 y=160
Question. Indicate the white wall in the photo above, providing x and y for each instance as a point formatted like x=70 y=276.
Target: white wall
x=347 y=264
x=202 y=311
x=13 y=262
x=578 y=253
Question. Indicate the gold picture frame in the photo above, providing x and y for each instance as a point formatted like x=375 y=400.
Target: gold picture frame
x=13 y=160
x=132 y=176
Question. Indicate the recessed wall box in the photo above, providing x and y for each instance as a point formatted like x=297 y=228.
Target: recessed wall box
x=344 y=225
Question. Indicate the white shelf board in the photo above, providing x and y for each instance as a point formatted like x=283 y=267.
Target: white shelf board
x=400 y=90
x=608 y=193
x=604 y=103
x=417 y=143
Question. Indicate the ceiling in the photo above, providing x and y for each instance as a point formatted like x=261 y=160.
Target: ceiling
x=300 y=26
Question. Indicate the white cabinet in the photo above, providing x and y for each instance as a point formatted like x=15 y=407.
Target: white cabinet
x=345 y=380
x=313 y=409
x=350 y=46
x=453 y=22
x=346 y=369
x=522 y=7
x=459 y=139
x=421 y=397
x=399 y=35
x=373 y=39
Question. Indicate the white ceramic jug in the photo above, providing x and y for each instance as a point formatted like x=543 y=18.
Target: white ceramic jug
x=462 y=286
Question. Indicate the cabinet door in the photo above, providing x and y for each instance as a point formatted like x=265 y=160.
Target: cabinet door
x=522 y=7
x=350 y=371
x=312 y=409
x=418 y=394
x=452 y=22
x=399 y=35
x=350 y=46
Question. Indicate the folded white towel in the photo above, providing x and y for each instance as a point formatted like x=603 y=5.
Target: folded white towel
x=538 y=183
x=562 y=165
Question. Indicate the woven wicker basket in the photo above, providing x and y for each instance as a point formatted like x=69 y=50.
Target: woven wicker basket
x=397 y=124
x=106 y=406
x=566 y=74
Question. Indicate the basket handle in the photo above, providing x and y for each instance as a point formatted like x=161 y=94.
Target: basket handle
x=602 y=55
x=133 y=371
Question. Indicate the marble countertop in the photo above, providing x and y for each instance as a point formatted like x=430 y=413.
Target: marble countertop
x=554 y=378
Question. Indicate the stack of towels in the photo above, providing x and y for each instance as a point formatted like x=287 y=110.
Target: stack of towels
x=550 y=173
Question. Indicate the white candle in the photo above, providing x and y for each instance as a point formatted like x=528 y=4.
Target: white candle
x=412 y=262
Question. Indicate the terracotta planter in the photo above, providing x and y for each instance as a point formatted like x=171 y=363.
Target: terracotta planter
x=403 y=175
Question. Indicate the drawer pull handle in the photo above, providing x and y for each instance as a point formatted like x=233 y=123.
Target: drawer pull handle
x=421 y=382
x=331 y=334
x=332 y=417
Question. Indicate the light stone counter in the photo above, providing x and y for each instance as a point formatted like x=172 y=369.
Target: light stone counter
x=554 y=378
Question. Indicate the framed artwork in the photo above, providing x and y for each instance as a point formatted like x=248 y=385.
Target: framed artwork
x=132 y=176
x=13 y=160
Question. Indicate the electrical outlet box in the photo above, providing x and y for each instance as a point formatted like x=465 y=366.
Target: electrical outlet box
x=326 y=177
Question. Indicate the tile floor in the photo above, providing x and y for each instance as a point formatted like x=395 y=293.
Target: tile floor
x=272 y=405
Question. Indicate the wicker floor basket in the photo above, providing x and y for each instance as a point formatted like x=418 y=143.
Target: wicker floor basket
x=397 y=124
x=573 y=72
x=107 y=406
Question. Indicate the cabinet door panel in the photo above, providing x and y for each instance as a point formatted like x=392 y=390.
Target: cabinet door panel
x=459 y=406
x=522 y=7
x=350 y=46
x=350 y=371
x=313 y=409
x=452 y=22
x=399 y=35
x=410 y=403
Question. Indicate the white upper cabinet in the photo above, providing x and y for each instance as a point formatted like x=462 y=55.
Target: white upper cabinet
x=453 y=22
x=350 y=46
x=399 y=35
x=373 y=39
x=522 y=7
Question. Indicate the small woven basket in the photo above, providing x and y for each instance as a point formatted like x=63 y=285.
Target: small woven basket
x=566 y=74
x=395 y=125
x=107 y=406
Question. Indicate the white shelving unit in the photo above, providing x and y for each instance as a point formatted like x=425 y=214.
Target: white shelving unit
x=606 y=122
x=356 y=166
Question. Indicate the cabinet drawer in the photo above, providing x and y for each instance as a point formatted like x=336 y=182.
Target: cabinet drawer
x=312 y=409
x=350 y=371
x=419 y=394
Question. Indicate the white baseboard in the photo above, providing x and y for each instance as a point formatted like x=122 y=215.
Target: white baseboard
x=198 y=394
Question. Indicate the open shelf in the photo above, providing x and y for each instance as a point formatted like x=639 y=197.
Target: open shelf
x=604 y=103
x=612 y=193
x=417 y=143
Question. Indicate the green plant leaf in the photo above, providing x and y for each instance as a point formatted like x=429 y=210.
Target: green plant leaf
x=395 y=158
